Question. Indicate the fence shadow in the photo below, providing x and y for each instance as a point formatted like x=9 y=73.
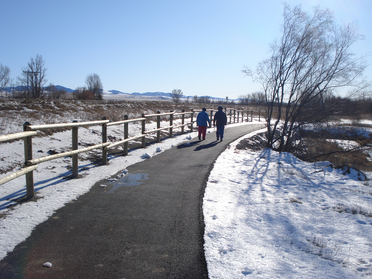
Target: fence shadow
x=19 y=196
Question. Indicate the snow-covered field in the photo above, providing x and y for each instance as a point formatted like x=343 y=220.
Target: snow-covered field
x=267 y=215
x=271 y=215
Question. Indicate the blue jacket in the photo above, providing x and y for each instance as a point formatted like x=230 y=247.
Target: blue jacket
x=202 y=119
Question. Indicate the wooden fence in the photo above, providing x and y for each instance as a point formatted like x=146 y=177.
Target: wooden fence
x=29 y=131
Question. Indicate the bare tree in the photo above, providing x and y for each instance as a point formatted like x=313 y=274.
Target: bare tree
x=244 y=99
x=94 y=85
x=34 y=77
x=204 y=100
x=4 y=76
x=81 y=93
x=258 y=97
x=55 y=94
x=253 y=98
x=195 y=99
x=311 y=58
x=176 y=95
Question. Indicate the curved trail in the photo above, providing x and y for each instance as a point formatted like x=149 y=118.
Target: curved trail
x=147 y=225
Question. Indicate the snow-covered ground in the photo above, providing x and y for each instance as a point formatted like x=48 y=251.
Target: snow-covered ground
x=271 y=215
x=267 y=215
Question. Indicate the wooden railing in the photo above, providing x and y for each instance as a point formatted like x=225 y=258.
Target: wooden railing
x=31 y=130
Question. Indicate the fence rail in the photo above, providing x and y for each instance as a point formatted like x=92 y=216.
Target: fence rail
x=16 y=136
x=31 y=130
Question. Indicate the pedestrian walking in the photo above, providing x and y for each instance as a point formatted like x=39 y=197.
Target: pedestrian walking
x=202 y=121
x=219 y=121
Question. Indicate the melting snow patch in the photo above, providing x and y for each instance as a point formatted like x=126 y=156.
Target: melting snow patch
x=146 y=156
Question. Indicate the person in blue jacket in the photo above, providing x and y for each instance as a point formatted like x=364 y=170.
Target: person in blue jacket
x=202 y=120
x=220 y=120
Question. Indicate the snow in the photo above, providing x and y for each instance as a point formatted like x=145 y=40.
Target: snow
x=267 y=215
x=362 y=121
x=271 y=215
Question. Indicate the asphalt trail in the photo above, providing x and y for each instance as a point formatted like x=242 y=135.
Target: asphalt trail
x=148 y=225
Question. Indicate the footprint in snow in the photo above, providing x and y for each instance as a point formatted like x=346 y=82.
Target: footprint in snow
x=247 y=271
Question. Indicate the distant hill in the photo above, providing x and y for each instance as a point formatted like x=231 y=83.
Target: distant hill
x=116 y=93
x=152 y=94
x=23 y=88
x=62 y=88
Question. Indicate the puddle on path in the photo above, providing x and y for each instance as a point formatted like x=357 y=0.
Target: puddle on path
x=129 y=180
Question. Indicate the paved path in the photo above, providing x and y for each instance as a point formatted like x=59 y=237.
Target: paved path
x=148 y=225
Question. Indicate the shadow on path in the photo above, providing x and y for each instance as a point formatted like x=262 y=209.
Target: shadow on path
x=208 y=145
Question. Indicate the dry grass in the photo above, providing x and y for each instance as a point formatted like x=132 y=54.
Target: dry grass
x=295 y=200
x=19 y=111
x=316 y=146
x=255 y=143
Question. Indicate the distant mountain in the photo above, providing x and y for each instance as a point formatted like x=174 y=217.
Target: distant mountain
x=23 y=88
x=62 y=88
x=17 y=88
x=107 y=93
x=113 y=92
x=152 y=94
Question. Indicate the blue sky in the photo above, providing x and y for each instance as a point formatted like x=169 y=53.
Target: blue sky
x=199 y=46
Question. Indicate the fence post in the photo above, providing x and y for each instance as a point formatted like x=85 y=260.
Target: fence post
x=158 y=126
x=238 y=111
x=171 y=124
x=192 y=120
x=234 y=115
x=104 y=139
x=226 y=114
x=230 y=116
x=259 y=115
x=211 y=118
x=183 y=122
x=125 y=136
x=28 y=156
x=251 y=115
x=143 y=131
x=75 y=162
